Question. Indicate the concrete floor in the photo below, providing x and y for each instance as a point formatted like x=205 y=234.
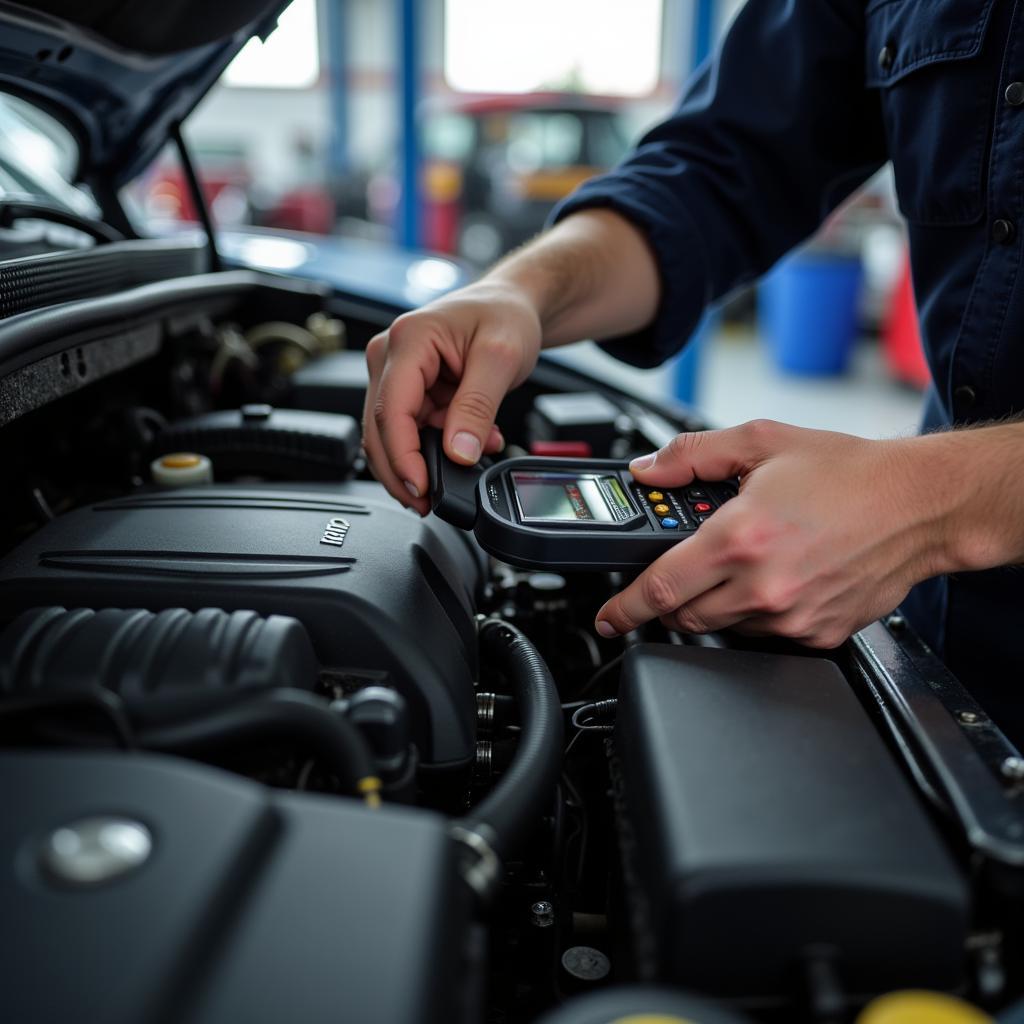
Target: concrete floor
x=738 y=382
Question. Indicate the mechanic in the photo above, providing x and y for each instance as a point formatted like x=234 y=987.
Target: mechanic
x=801 y=104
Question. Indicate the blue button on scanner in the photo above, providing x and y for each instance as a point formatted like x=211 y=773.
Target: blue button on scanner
x=668 y=523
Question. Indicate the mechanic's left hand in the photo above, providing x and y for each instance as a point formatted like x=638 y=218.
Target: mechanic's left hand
x=827 y=533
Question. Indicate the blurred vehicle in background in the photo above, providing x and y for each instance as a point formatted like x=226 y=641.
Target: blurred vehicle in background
x=233 y=195
x=494 y=167
x=227 y=186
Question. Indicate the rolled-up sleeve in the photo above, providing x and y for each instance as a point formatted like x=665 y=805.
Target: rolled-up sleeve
x=771 y=134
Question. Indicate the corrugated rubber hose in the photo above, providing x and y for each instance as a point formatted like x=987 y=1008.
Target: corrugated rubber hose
x=499 y=826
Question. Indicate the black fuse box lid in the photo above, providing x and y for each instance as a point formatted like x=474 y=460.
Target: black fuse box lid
x=764 y=816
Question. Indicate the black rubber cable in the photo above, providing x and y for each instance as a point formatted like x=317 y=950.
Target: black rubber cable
x=510 y=813
x=32 y=208
x=41 y=705
x=281 y=715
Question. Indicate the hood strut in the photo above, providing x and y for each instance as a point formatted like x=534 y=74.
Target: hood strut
x=198 y=198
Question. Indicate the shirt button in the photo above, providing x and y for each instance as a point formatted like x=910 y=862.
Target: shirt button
x=886 y=56
x=1002 y=231
x=965 y=396
x=1014 y=94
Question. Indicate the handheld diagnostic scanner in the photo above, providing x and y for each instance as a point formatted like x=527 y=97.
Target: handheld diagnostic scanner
x=566 y=514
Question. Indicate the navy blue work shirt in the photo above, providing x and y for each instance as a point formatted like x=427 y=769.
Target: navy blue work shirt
x=803 y=101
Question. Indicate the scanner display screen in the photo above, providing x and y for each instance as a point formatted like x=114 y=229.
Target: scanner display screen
x=570 y=498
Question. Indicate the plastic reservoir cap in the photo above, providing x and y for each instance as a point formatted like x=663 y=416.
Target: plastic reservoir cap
x=183 y=460
x=181 y=469
x=653 y=1018
x=921 y=1008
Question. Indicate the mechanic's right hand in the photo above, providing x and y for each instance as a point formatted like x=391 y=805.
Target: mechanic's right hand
x=447 y=365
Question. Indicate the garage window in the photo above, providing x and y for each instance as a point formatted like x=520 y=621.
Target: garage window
x=593 y=46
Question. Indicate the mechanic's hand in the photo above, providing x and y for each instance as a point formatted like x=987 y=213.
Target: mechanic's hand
x=827 y=533
x=446 y=365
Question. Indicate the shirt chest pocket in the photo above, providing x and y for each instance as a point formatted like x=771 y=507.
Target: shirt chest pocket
x=928 y=60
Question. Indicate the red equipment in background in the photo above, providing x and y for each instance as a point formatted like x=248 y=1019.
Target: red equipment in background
x=901 y=336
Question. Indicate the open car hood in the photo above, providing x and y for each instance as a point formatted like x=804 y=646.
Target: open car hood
x=122 y=75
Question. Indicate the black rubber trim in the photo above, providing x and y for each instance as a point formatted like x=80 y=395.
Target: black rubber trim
x=13 y=210
x=35 y=282
x=31 y=336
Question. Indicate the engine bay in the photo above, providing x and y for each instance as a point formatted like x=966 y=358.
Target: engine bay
x=288 y=749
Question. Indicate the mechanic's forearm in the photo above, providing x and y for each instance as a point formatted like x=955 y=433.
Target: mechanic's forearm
x=590 y=276
x=977 y=476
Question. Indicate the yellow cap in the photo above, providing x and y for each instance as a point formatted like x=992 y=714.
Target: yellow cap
x=921 y=1008
x=181 y=469
x=181 y=460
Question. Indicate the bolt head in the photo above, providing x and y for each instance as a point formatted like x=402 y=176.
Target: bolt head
x=969 y=717
x=542 y=914
x=1013 y=768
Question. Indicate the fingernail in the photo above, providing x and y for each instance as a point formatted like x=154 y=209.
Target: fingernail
x=411 y=488
x=606 y=629
x=644 y=461
x=466 y=445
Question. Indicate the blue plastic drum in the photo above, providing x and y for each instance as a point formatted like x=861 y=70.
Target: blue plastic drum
x=808 y=308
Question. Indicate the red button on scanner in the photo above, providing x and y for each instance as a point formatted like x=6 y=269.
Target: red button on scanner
x=701 y=507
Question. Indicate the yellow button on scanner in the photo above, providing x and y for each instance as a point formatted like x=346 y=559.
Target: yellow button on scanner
x=181 y=460
x=921 y=1008
x=661 y=510
x=655 y=496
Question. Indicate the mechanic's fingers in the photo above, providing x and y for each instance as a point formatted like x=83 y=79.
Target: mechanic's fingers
x=398 y=409
x=825 y=635
x=382 y=471
x=376 y=359
x=720 y=608
x=709 y=454
x=491 y=369
x=679 y=576
x=495 y=440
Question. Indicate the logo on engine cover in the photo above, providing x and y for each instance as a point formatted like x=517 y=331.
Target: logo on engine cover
x=335 y=532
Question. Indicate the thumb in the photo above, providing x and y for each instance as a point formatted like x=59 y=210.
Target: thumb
x=707 y=454
x=491 y=369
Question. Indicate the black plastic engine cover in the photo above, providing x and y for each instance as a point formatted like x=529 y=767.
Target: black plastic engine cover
x=386 y=597
x=254 y=905
x=765 y=818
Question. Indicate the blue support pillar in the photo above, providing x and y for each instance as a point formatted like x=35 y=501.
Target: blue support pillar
x=336 y=59
x=703 y=31
x=701 y=39
x=409 y=209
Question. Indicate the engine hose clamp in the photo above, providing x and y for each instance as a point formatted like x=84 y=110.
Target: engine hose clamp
x=485 y=709
x=482 y=871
